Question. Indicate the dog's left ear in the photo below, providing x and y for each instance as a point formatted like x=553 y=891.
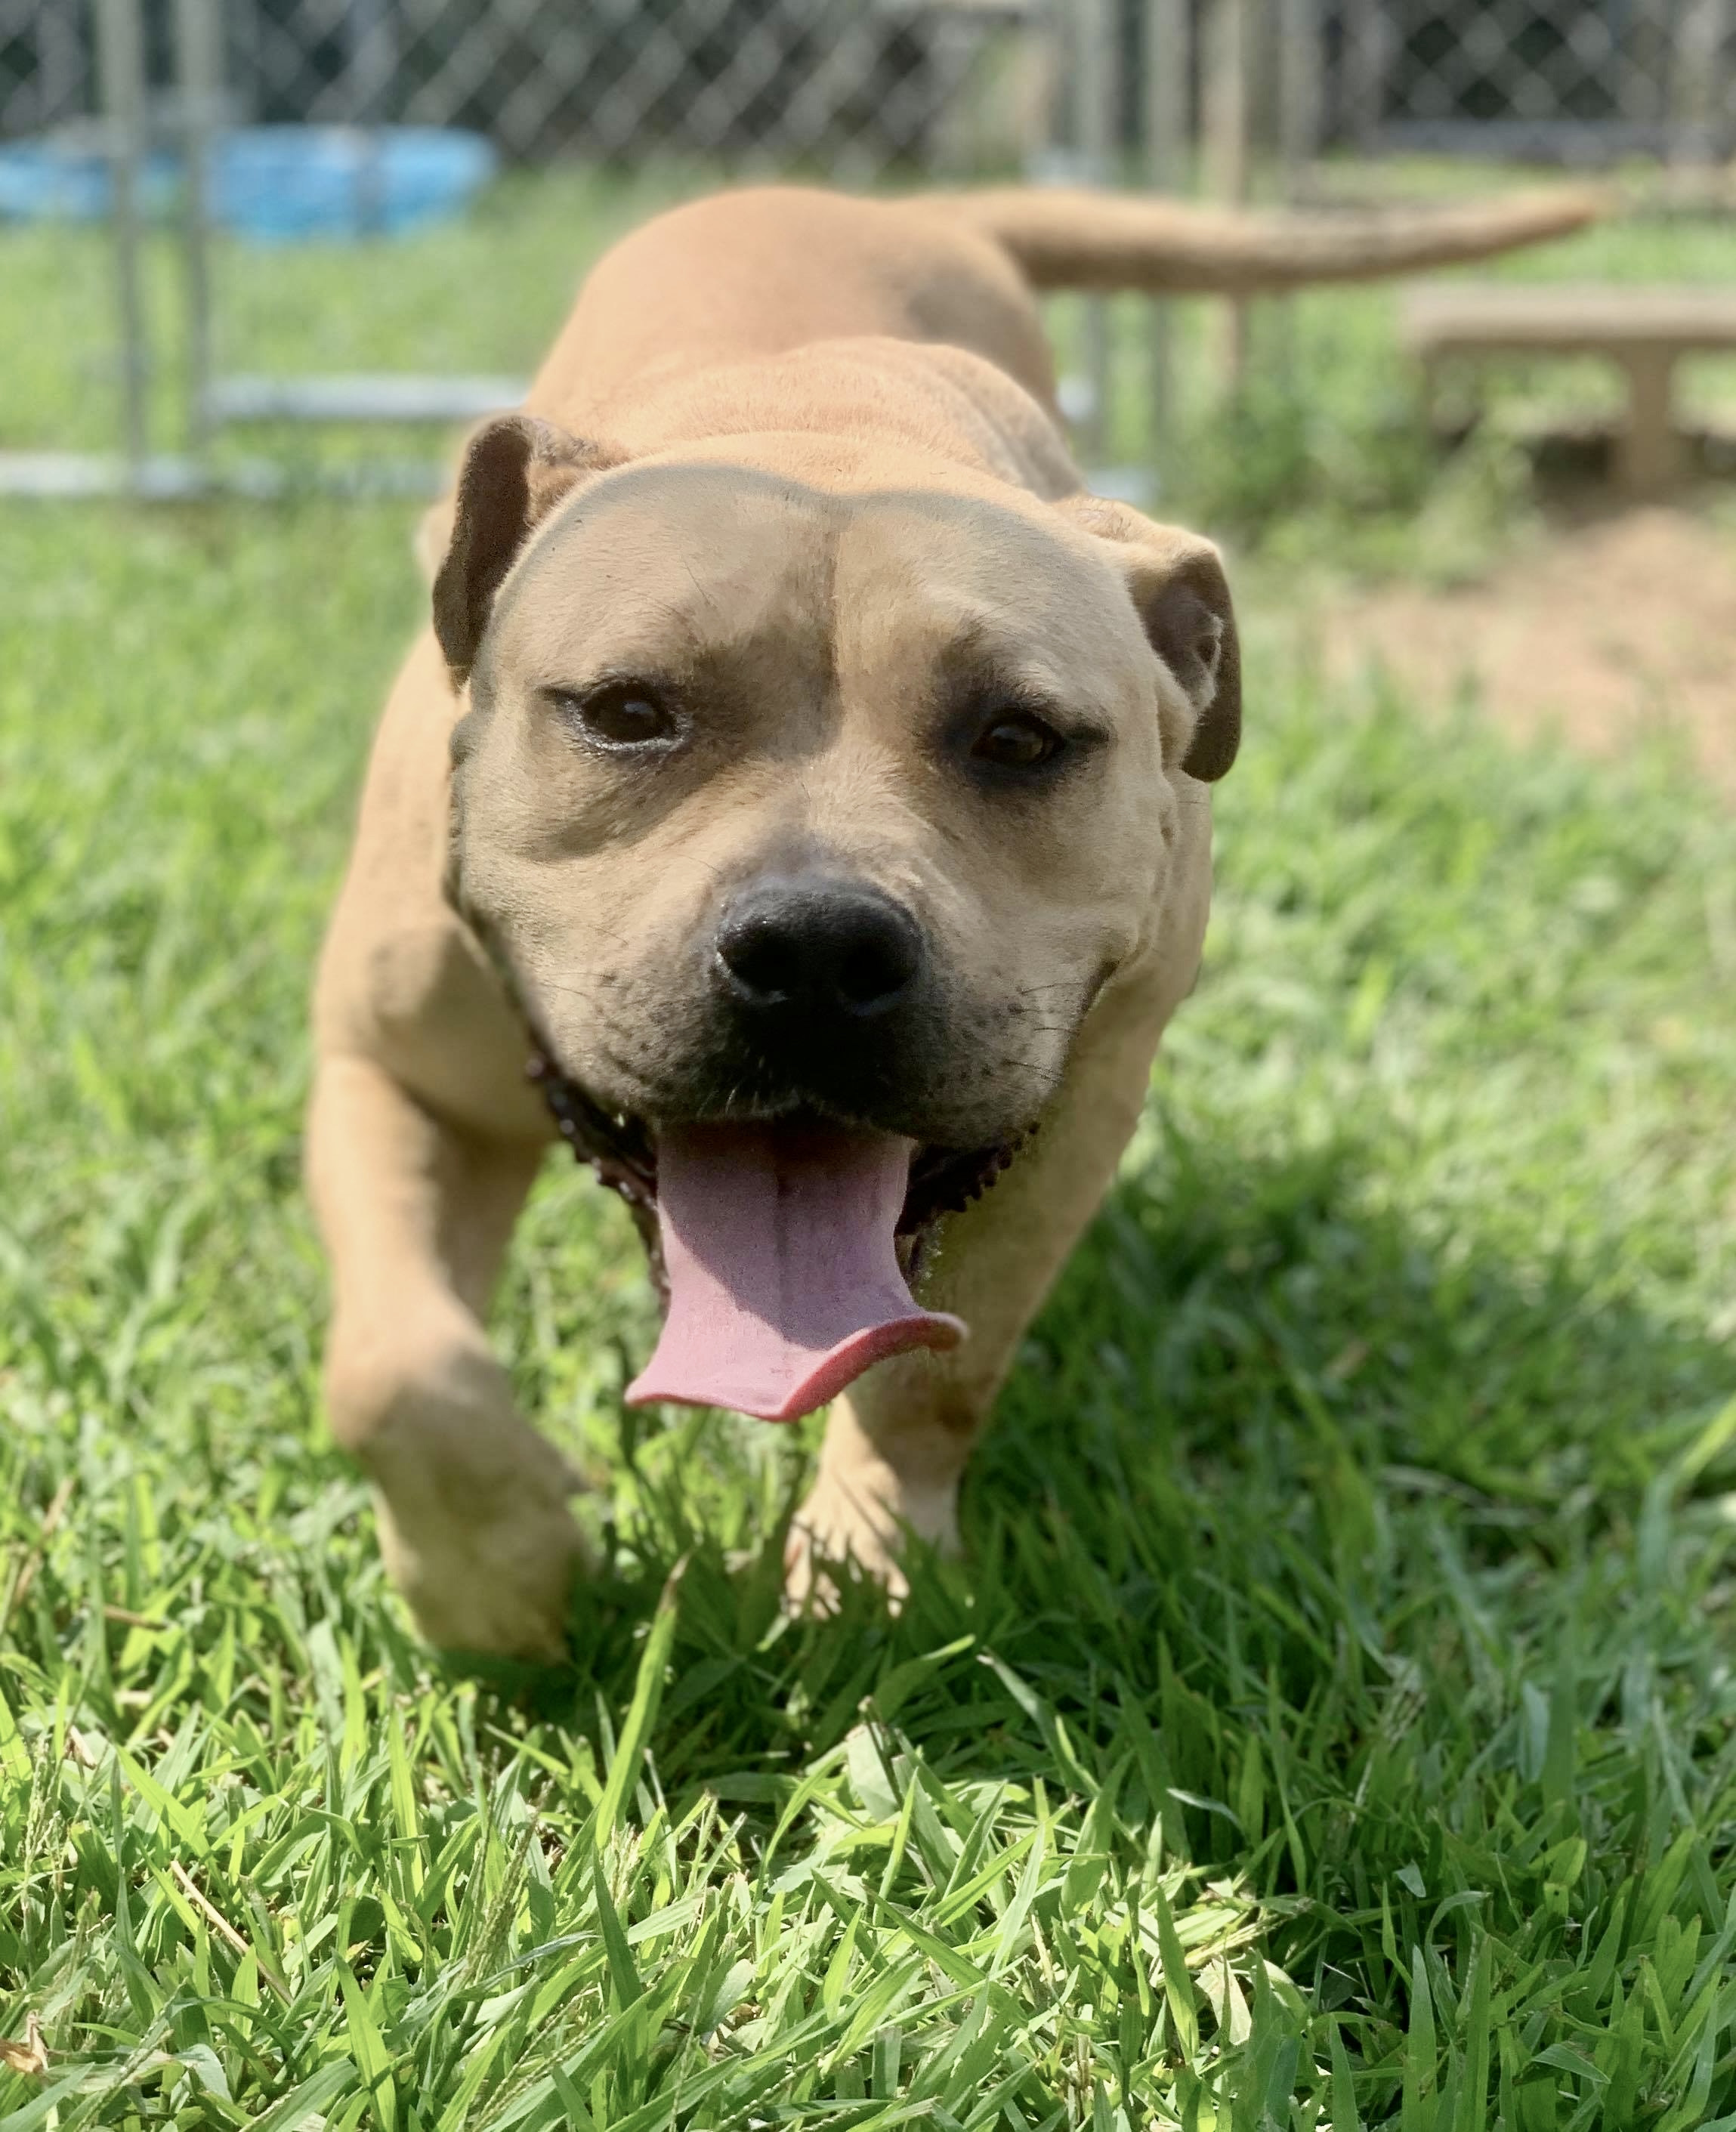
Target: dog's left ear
x=1177 y=582
x=515 y=469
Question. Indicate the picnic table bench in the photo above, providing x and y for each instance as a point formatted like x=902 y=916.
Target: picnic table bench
x=1643 y=329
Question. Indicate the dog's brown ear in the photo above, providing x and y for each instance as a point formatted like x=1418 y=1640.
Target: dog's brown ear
x=1177 y=585
x=1186 y=607
x=515 y=469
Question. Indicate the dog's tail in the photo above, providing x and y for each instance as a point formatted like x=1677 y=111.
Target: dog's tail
x=1106 y=241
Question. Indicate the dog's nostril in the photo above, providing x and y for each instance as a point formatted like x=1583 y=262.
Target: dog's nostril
x=818 y=946
x=764 y=957
x=873 y=970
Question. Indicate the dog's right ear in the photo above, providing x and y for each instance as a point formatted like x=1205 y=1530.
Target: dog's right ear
x=515 y=469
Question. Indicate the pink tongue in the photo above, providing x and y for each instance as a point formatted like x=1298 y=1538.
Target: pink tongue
x=784 y=1276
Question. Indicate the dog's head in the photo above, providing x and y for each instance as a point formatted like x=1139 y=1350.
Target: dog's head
x=816 y=791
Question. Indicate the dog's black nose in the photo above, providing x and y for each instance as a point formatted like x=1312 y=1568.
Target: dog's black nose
x=818 y=947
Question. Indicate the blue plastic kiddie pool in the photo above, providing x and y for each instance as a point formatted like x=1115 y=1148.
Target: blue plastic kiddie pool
x=276 y=184
x=47 y=181
x=285 y=182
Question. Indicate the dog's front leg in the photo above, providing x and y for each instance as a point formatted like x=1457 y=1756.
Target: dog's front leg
x=898 y=1441
x=471 y=1501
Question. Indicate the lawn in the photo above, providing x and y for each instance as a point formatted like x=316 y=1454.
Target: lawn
x=1331 y=1725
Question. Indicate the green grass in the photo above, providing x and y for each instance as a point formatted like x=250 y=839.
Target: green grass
x=1332 y=1724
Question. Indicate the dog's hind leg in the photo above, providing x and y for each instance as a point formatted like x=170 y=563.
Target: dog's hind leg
x=471 y=1501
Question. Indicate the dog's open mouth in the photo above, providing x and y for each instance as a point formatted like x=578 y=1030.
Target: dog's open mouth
x=779 y=1247
x=780 y=1244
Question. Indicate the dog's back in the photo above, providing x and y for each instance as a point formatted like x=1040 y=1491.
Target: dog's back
x=748 y=276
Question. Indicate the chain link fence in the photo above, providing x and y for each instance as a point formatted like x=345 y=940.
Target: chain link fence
x=1237 y=99
x=1580 y=82
x=45 y=71
x=830 y=82
x=855 y=88
x=169 y=111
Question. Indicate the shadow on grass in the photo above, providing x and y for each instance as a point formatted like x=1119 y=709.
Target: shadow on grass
x=1228 y=1324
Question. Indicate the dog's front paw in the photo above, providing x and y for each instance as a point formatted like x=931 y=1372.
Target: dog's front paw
x=847 y=1521
x=471 y=1502
x=499 y=1585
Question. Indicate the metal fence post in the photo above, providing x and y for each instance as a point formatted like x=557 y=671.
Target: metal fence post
x=62 y=63
x=1292 y=31
x=1224 y=153
x=1094 y=83
x=1364 y=70
x=1299 y=92
x=1646 y=101
x=1168 y=71
x=1698 y=74
x=199 y=67
x=372 y=62
x=121 y=70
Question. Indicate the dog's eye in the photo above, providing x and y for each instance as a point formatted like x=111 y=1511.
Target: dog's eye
x=1017 y=742
x=620 y=714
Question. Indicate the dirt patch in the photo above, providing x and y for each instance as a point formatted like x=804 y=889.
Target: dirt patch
x=1598 y=630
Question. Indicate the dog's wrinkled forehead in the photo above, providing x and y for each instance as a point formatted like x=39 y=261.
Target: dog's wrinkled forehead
x=696 y=554
x=683 y=568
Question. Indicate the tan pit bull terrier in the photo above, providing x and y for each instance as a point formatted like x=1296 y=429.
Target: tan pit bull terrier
x=814 y=782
